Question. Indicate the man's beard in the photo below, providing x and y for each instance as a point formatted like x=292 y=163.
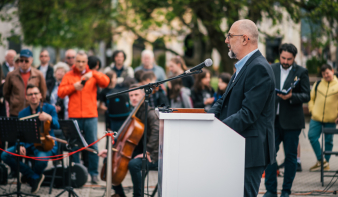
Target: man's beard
x=286 y=66
x=231 y=54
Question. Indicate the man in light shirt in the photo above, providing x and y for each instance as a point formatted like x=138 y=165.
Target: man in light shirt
x=148 y=64
x=46 y=69
x=8 y=65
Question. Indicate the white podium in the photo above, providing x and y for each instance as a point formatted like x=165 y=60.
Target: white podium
x=199 y=156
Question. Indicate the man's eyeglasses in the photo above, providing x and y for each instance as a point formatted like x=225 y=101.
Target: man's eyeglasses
x=70 y=57
x=230 y=36
x=78 y=61
x=35 y=94
x=43 y=55
x=22 y=60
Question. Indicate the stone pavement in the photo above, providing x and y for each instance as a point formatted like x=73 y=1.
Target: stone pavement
x=304 y=182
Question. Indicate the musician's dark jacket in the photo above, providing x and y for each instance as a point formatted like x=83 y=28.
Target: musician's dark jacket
x=291 y=116
x=247 y=107
x=152 y=132
x=49 y=109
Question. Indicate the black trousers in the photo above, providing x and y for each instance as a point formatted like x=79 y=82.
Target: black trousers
x=252 y=180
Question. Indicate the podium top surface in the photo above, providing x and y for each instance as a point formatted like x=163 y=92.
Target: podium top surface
x=187 y=116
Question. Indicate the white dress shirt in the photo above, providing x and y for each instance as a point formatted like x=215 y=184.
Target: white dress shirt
x=43 y=69
x=283 y=75
x=10 y=68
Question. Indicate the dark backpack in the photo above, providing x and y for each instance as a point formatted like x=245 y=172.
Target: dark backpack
x=119 y=106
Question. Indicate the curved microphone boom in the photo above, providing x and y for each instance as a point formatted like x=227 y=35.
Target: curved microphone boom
x=206 y=63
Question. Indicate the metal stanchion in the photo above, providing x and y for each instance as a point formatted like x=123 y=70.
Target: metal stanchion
x=109 y=166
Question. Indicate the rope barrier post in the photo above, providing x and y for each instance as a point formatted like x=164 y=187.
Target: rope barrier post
x=109 y=165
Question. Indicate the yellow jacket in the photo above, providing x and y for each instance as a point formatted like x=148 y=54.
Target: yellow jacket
x=324 y=108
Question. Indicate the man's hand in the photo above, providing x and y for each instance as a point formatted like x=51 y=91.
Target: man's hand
x=87 y=76
x=141 y=156
x=57 y=108
x=209 y=101
x=103 y=107
x=103 y=153
x=44 y=117
x=22 y=150
x=78 y=86
x=336 y=121
x=285 y=97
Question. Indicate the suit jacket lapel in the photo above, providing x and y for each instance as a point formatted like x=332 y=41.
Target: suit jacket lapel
x=277 y=76
x=50 y=71
x=230 y=85
x=290 y=78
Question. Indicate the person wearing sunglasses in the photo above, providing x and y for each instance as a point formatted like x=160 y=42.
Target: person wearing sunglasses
x=16 y=61
x=46 y=69
x=17 y=81
x=70 y=57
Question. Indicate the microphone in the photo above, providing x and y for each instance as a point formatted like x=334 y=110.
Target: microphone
x=206 y=63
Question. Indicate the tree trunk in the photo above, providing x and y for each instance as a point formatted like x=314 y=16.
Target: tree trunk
x=57 y=51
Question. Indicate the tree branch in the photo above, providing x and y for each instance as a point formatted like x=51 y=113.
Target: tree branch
x=146 y=40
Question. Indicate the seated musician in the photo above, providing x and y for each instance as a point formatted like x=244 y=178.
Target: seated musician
x=135 y=165
x=34 y=176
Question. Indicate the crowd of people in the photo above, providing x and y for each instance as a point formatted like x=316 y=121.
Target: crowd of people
x=76 y=89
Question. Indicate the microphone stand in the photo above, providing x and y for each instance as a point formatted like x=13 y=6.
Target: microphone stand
x=148 y=89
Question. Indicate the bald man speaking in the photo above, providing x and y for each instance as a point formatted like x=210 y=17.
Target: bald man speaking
x=247 y=106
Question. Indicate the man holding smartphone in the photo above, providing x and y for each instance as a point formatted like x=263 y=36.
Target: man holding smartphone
x=80 y=84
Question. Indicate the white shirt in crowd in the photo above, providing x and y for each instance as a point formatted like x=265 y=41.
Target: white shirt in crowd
x=283 y=75
x=43 y=69
x=10 y=68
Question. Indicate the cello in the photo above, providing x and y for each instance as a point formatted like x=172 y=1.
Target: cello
x=127 y=138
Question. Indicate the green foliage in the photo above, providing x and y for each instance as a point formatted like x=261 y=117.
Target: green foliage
x=313 y=65
x=214 y=83
x=161 y=61
x=143 y=17
x=65 y=23
x=220 y=67
x=78 y=23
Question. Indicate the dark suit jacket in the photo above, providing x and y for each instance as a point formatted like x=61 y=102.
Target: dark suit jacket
x=291 y=116
x=49 y=73
x=247 y=107
x=5 y=70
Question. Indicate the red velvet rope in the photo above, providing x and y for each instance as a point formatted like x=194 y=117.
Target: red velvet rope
x=61 y=156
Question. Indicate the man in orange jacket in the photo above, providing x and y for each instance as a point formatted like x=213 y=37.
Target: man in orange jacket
x=80 y=84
